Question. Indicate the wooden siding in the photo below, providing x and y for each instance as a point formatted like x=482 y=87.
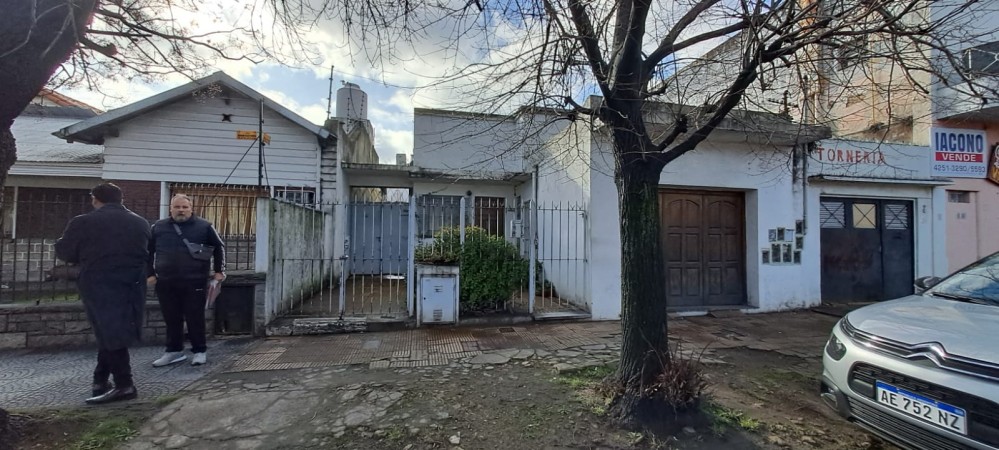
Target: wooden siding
x=187 y=141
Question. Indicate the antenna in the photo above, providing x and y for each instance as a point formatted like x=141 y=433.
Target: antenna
x=329 y=99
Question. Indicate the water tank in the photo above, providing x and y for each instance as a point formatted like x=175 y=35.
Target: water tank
x=351 y=102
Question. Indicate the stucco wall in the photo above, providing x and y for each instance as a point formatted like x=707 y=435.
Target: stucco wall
x=969 y=236
x=462 y=142
x=297 y=264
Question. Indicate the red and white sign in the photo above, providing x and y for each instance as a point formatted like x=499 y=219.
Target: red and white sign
x=958 y=153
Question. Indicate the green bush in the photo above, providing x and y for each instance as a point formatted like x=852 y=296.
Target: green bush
x=491 y=268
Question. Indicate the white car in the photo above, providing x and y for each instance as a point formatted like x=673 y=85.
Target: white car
x=922 y=371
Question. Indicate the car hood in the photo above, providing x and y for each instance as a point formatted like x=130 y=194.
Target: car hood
x=963 y=329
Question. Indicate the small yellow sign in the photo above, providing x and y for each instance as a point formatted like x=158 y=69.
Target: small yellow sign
x=252 y=135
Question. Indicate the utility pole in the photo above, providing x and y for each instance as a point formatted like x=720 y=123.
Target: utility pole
x=260 y=147
x=329 y=99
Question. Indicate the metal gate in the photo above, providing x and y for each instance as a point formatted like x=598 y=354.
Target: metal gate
x=376 y=249
x=559 y=254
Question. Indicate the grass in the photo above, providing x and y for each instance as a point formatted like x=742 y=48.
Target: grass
x=395 y=433
x=587 y=382
x=586 y=377
x=107 y=434
x=723 y=417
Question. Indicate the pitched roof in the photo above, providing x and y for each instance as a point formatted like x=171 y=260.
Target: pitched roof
x=35 y=143
x=92 y=130
x=47 y=96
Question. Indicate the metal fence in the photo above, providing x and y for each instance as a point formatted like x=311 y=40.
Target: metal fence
x=31 y=273
x=514 y=258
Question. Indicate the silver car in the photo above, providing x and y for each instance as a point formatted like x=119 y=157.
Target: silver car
x=922 y=371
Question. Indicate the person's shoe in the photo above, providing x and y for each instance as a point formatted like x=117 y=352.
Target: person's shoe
x=99 y=389
x=114 y=395
x=169 y=358
x=199 y=359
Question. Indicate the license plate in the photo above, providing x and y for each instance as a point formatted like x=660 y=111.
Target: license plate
x=926 y=409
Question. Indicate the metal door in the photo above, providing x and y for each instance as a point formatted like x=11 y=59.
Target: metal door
x=867 y=251
x=379 y=238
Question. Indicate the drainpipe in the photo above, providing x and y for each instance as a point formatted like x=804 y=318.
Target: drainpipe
x=532 y=243
x=806 y=151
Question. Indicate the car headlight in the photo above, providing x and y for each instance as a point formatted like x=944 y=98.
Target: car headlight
x=834 y=348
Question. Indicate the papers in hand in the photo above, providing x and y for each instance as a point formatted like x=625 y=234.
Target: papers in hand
x=214 y=287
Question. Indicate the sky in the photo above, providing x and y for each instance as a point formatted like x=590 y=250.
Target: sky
x=398 y=77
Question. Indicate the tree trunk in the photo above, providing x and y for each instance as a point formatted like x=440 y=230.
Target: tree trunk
x=644 y=347
x=36 y=37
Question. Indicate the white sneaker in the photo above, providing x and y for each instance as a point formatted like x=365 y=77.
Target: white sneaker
x=199 y=359
x=169 y=358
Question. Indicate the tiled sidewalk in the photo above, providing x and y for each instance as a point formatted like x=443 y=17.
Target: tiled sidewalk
x=418 y=347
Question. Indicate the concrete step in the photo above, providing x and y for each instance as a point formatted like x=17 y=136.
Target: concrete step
x=301 y=326
x=562 y=315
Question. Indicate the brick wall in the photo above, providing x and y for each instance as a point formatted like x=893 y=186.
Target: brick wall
x=63 y=325
x=142 y=197
x=26 y=260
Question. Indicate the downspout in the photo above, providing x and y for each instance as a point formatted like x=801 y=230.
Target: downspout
x=806 y=151
x=532 y=243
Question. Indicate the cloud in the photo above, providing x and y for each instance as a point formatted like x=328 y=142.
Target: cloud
x=390 y=142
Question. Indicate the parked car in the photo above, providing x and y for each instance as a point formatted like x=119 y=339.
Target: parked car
x=922 y=371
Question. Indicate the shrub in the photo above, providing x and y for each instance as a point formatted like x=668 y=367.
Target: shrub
x=491 y=268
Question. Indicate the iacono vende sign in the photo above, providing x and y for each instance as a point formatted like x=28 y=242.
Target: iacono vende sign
x=958 y=153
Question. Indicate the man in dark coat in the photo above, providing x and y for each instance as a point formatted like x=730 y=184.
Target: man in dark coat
x=111 y=246
x=181 y=279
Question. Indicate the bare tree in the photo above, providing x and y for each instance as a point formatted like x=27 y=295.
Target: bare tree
x=88 y=42
x=551 y=53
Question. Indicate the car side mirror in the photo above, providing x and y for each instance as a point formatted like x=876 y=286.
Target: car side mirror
x=924 y=283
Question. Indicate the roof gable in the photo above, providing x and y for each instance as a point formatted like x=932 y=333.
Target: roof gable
x=92 y=130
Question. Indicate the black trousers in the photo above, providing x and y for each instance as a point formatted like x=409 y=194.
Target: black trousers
x=183 y=301
x=114 y=362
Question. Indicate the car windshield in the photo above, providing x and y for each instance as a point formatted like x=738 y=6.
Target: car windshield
x=978 y=283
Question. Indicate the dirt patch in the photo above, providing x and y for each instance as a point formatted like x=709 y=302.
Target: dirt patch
x=75 y=428
x=501 y=408
x=781 y=393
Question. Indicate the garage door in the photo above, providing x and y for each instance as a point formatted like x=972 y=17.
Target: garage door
x=867 y=249
x=703 y=236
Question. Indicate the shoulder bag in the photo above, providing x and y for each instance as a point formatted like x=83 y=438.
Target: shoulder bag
x=199 y=252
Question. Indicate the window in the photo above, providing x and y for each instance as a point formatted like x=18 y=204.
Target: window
x=865 y=216
x=489 y=214
x=299 y=196
x=831 y=215
x=982 y=60
x=897 y=217
x=959 y=196
x=434 y=212
x=232 y=209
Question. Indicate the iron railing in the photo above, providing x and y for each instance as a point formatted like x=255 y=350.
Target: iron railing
x=30 y=272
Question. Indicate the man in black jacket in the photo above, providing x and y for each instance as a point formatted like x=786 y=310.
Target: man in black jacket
x=110 y=245
x=181 y=277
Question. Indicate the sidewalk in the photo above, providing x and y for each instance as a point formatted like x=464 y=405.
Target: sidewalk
x=428 y=387
x=56 y=378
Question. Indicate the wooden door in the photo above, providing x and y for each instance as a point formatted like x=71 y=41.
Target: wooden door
x=703 y=237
